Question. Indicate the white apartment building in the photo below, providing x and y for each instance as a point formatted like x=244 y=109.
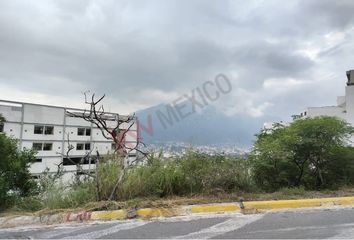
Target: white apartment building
x=343 y=110
x=46 y=129
x=345 y=104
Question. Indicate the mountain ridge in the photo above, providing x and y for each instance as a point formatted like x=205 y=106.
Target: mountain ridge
x=208 y=126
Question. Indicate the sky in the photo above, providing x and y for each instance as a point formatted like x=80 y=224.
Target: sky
x=281 y=56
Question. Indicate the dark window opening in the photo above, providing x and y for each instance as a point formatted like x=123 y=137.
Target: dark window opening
x=87 y=146
x=37 y=146
x=84 y=131
x=38 y=160
x=38 y=129
x=84 y=172
x=79 y=146
x=1 y=127
x=81 y=131
x=47 y=146
x=49 y=130
x=79 y=160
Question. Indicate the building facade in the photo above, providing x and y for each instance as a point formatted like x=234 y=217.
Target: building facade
x=345 y=104
x=50 y=130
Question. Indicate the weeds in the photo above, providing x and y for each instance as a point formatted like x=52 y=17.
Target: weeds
x=193 y=178
x=191 y=174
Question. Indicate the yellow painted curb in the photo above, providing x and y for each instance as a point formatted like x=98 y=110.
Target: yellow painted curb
x=301 y=203
x=159 y=212
x=215 y=208
x=254 y=206
x=344 y=201
x=109 y=215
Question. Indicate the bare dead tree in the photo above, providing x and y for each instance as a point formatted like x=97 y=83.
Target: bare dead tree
x=113 y=127
x=78 y=164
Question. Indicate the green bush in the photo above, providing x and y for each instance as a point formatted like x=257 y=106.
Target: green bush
x=27 y=204
x=15 y=179
x=310 y=152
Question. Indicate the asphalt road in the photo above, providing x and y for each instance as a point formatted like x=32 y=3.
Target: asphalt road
x=321 y=223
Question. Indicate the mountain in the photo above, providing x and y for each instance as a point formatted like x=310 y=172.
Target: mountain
x=207 y=127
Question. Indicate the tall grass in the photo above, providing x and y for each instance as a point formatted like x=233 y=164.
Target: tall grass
x=191 y=174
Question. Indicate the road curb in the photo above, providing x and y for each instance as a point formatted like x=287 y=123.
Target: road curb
x=242 y=207
x=215 y=208
x=299 y=203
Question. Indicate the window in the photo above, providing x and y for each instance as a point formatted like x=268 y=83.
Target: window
x=1 y=127
x=42 y=146
x=84 y=131
x=83 y=146
x=87 y=146
x=38 y=160
x=49 y=130
x=113 y=146
x=79 y=146
x=37 y=146
x=82 y=160
x=71 y=161
x=47 y=146
x=80 y=131
x=38 y=129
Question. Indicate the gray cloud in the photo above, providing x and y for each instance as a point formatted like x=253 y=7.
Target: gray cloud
x=142 y=53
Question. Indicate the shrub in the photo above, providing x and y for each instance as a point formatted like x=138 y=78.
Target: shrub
x=15 y=179
x=311 y=152
x=28 y=204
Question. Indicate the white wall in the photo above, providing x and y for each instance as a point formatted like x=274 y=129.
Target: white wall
x=103 y=148
x=11 y=113
x=326 y=111
x=43 y=114
x=75 y=121
x=12 y=130
x=341 y=101
x=349 y=90
x=97 y=135
x=48 y=162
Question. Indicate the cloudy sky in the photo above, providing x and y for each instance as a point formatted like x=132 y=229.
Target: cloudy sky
x=281 y=56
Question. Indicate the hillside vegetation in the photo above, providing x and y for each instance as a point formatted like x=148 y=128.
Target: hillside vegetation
x=308 y=155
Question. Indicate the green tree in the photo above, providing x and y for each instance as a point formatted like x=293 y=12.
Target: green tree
x=15 y=179
x=306 y=152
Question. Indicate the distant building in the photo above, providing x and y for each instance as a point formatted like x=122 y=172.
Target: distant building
x=344 y=108
x=45 y=129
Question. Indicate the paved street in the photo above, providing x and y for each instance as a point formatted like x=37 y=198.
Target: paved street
x=320 y=223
